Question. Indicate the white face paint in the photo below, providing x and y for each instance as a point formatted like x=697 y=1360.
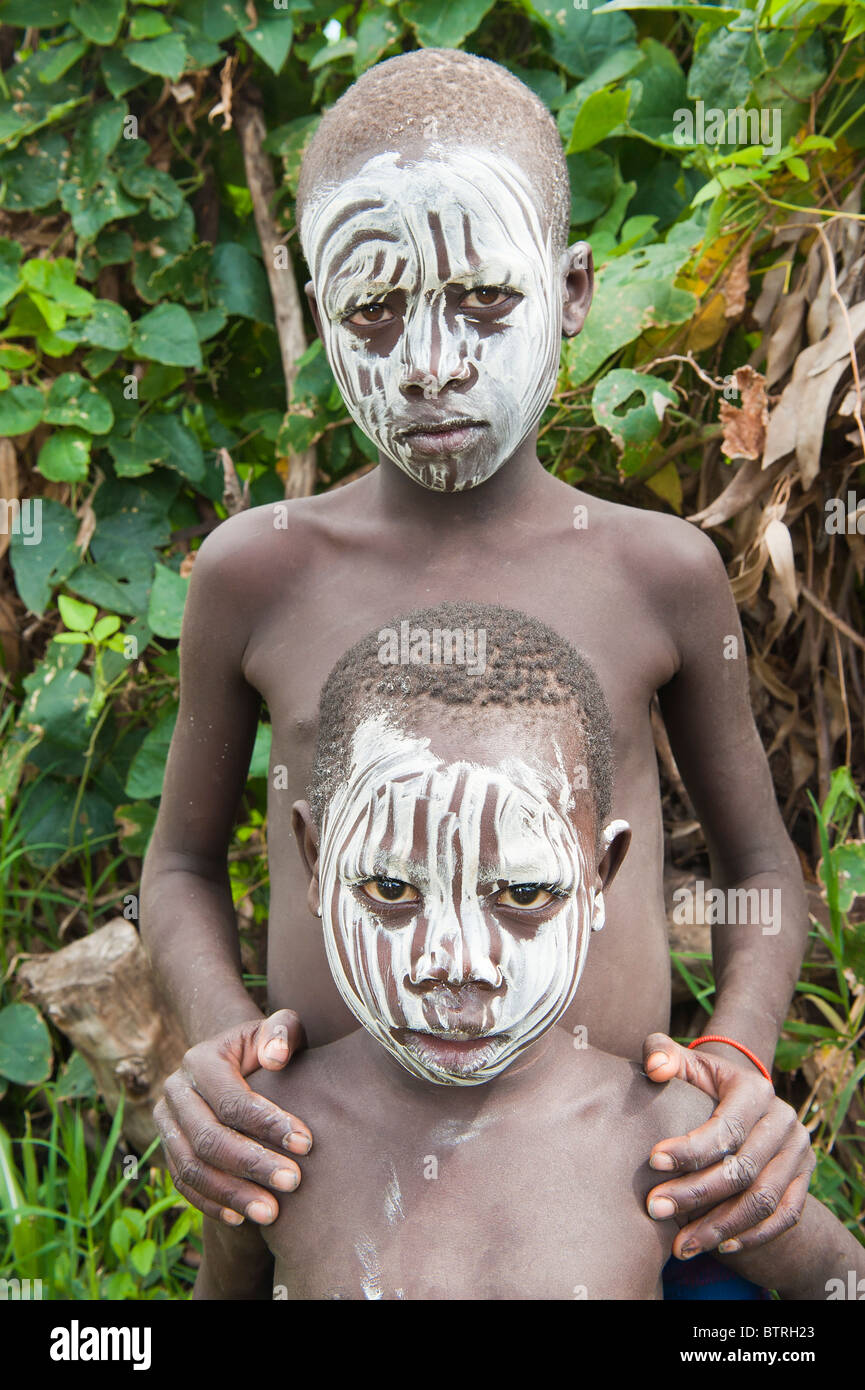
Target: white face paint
x=422 y=241
x=454 y=983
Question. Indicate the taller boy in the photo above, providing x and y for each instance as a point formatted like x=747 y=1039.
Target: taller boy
x=434 y=212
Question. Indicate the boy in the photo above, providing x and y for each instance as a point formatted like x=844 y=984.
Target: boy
x=433 y=207
x=464 y=853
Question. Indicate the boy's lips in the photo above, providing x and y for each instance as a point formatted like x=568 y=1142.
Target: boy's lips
x=441 y=436
x=448 y=1048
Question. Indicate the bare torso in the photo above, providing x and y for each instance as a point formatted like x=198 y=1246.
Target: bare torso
x=356 y=575
x=423 y=1203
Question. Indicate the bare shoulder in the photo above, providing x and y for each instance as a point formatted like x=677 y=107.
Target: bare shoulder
x=672 y=1108
x=655 y=543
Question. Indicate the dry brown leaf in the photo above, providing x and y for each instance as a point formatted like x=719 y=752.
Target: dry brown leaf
x=736 y=284
x=779 y=543
x=745 y=429
x=749 y=483
x=186 y=564
x=8 y=491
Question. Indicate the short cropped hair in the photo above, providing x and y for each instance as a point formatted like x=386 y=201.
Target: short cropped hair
x=456 y=98
x=528 y=667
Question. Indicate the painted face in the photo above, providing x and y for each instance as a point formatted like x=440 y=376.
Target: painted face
x=441 y=308
x=457 y=902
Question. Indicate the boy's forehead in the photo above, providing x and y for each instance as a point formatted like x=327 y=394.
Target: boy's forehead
x=463 y=194
x=464 y=764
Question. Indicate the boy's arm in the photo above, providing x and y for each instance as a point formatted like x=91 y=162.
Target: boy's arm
x=188 y=924
x=235 y=1264
x=707 y=711
x=816 y=1259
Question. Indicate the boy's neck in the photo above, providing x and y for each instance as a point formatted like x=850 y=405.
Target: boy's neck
x=513 y=489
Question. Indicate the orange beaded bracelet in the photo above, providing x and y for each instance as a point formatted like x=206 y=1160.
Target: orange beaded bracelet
x=714 y=1037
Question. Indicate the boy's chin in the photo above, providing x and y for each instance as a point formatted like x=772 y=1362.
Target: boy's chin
x=446 y=474
x=453 y=1062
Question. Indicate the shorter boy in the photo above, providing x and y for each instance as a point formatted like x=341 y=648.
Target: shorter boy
x=458 y=845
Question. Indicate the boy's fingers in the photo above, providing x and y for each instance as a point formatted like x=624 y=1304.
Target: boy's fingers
x=732 y=1228
x=776 y=1151
x=221 y=1147
x=279 y=1037
x=742 y=1107
x=660 y=1057
x=216 y=1078
x=210 y=1189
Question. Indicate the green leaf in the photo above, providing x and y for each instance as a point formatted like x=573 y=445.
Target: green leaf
x=63 y=57
x=271 y=39
x=38 y=569
x=21 y=409
x=167 y=599
x=65 y=456
x=119 y=1238
x=633 y=292
x=74 y=401
x=443 y=26
x=376 y=32
x=56 y=280
x=107 y=326
x=43 y=14
x=582 y=40
x=25 y=1045
x=142 y=1255
x=15 y=357
x=600 y=114
x=120 y=75
x=331 y=52
x=119 y=580
x=719 y=72
x=165 y=56
x=91 y=210
x=10 y=273
x=99 y=20
x=147 y=771
x=259 y=765
x=135 y=823
x=147 y=26
x=31 y=173
x=798 y=168
x=165 y=197
x=131 y=460
x=631 y=423
x=57 y=697
x=48 y=827
x=75 y=1080
x=77 y=616
x=239 y=283
x=169 y=442
x=167 y=334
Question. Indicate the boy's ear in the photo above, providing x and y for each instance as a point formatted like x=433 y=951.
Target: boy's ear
x=309 y=291
x=579 y=284
x=615 y=839
x=306 y=835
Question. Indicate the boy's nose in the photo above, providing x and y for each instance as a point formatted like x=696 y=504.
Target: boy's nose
x=433 y=358
x=455 y=954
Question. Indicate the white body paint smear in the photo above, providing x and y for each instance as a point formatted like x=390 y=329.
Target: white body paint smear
x=419 y=234
x=404 y=814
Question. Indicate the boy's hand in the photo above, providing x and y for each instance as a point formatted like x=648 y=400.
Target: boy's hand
x=206 y=1103
x=753 y=1145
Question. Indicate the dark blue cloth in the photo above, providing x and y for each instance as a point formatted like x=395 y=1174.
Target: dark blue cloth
x=706 y=1278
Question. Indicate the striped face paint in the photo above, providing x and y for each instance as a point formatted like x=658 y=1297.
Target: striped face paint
x=456 y=979
x=440 y=301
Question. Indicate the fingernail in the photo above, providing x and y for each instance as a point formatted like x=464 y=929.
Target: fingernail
x=657 y=1059
x=664 y=1163
x=276 y=1049
x=284 y=1179
x=729 y=1247
x=231 y=1218
x=260 y=1212
x=297 y=1143
x=689 y=1251
x=662 y=1208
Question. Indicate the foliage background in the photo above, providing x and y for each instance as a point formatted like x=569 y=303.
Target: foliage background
x=149 y=385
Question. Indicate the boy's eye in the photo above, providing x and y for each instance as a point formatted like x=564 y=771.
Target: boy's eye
x=486 y=297
x=526 y=895
x=390 y=890
x=377 y=312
